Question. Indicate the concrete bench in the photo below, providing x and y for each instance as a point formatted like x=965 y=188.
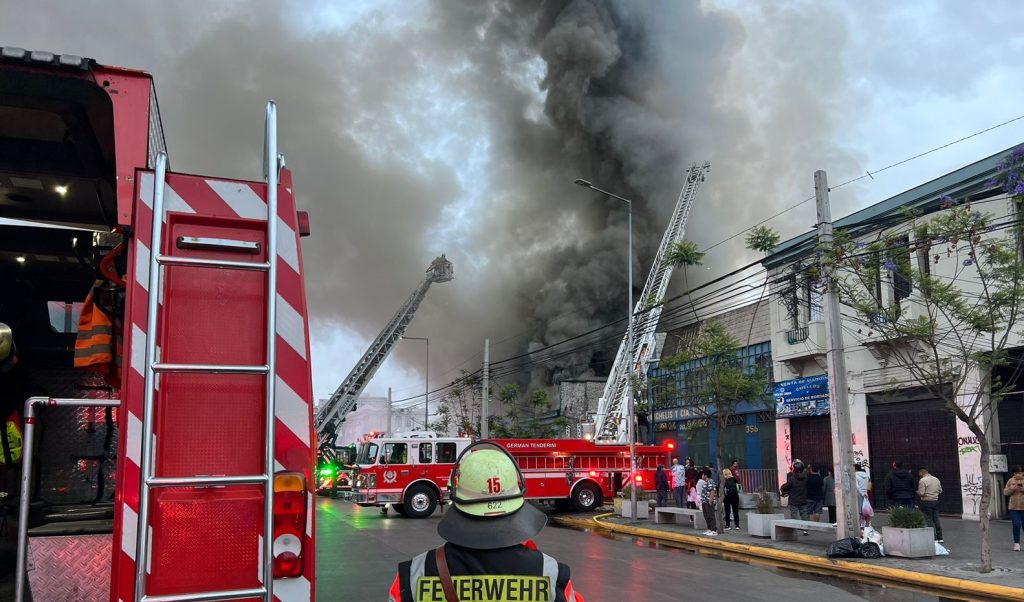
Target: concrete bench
x=785 y=529
x=670 y=515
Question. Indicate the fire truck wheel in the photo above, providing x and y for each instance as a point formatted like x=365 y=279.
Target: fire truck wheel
x=420 y=501
x=586 y=497
x=399 y=508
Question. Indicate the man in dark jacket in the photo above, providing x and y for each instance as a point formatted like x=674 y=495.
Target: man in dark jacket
x=488 y=554
x=661 y=484
x=795 y=488
x=900 y=486
x=815 y=492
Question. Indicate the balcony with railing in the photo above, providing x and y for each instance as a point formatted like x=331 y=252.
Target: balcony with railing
x=805 y=341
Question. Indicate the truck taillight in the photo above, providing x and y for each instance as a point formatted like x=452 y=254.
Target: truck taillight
x=303 y=219
x=289 y=523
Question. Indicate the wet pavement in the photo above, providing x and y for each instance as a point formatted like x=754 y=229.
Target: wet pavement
x=961 y=538
x=358 y=551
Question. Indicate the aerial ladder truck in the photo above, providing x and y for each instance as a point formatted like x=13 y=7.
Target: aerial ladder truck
x=332 y=412
x=610 y=422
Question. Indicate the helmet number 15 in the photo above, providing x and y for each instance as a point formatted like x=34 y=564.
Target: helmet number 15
x=494 y=485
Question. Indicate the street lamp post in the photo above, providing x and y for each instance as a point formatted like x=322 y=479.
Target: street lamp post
x=426 y=382
x=630 y=418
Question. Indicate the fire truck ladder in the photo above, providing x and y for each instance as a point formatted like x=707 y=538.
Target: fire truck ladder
x=332 y=412
x=611 y=424
x=272 y=164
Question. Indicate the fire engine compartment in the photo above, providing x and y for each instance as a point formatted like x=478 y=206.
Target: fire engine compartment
x=57 y=205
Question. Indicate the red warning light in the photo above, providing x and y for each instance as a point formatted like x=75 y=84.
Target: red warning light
x=639 y=478
x=671 y=445
x=593 y=473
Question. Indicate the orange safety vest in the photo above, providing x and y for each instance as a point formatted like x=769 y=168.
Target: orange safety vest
x=98 y=345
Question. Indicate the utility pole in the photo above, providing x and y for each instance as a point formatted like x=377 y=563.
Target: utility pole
x=485 y=394
x=388 y=430
x=838 y=392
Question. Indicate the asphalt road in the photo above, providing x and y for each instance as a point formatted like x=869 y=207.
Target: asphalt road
x=358 y=551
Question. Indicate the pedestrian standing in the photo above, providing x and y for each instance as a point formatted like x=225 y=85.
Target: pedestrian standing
x=678 y=482
x=863 y=482
x=830 y=496
x=1015 y=491
x=900 y=486
x=731 y=497
x=708 y=491
x=692 y=497
x=928 y=490
x=815 y=493
x=795 y=488
x=692 y=474
x=661 y=484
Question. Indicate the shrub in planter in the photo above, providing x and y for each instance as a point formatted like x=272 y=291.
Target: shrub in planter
x=907 y=518
x=624 y=508
x=759 y=522
x=909 y=535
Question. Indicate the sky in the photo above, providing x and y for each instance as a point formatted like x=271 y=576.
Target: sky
x=422 y=127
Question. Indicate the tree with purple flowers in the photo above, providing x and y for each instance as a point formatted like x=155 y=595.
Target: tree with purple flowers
x=938 y=295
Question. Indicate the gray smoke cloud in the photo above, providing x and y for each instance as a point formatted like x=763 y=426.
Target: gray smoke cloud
x=459 y=127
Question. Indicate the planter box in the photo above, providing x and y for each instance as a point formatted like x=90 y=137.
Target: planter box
x=909 y=543
x=760 y=525
x=624 y=508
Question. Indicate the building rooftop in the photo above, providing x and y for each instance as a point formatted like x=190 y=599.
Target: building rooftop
x=971 y=182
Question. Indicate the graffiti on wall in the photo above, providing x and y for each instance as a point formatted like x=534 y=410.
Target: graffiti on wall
x=971 y=486
x=859 y=457
x=968 y=445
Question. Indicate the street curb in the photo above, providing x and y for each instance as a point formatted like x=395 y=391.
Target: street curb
x=812 y=564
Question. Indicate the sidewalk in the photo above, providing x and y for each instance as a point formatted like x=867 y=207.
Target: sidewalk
x=956 y=573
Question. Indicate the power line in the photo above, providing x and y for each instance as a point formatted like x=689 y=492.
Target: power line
x=870 y=174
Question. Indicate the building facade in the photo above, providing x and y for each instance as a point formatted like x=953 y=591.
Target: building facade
x=750 y=431
x=893 y=418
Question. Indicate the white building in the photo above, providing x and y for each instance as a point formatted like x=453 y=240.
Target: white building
x=892 y=419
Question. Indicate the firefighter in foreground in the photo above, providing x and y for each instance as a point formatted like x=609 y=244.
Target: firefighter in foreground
x=489 y=555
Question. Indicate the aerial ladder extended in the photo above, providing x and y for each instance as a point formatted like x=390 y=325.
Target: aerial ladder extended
x=331 y=413
x=610 y=422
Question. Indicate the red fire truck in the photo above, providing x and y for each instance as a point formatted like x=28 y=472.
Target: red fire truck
x=161 y=330
x=412 y=474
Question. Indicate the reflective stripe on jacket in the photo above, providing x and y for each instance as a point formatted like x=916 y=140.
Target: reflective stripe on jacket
x=11 y=443
x=98 y=344
x=515 y=574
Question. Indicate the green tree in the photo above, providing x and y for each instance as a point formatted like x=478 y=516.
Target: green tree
x=525 y=417
x=460 y=408
x=716 y=381
x=955 y=334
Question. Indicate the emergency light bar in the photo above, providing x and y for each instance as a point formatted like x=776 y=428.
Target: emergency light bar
x=71 y=61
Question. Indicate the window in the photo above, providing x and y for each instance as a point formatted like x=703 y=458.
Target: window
x=445 y=453
x=924 y=263
x=815 y=306
x=394 y=453
x=367 y=454
x=426 y=453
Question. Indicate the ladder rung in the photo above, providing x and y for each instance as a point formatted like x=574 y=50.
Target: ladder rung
x=210 y=368
x=258 y=479
x=212 y=263
x=227 y=594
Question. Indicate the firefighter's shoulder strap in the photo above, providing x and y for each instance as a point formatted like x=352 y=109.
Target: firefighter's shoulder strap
x=445 y=575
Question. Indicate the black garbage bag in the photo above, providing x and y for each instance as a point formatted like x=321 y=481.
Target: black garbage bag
x=844 y=548
x=869 y=550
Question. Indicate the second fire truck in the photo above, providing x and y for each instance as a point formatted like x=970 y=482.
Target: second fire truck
x=412 y=473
